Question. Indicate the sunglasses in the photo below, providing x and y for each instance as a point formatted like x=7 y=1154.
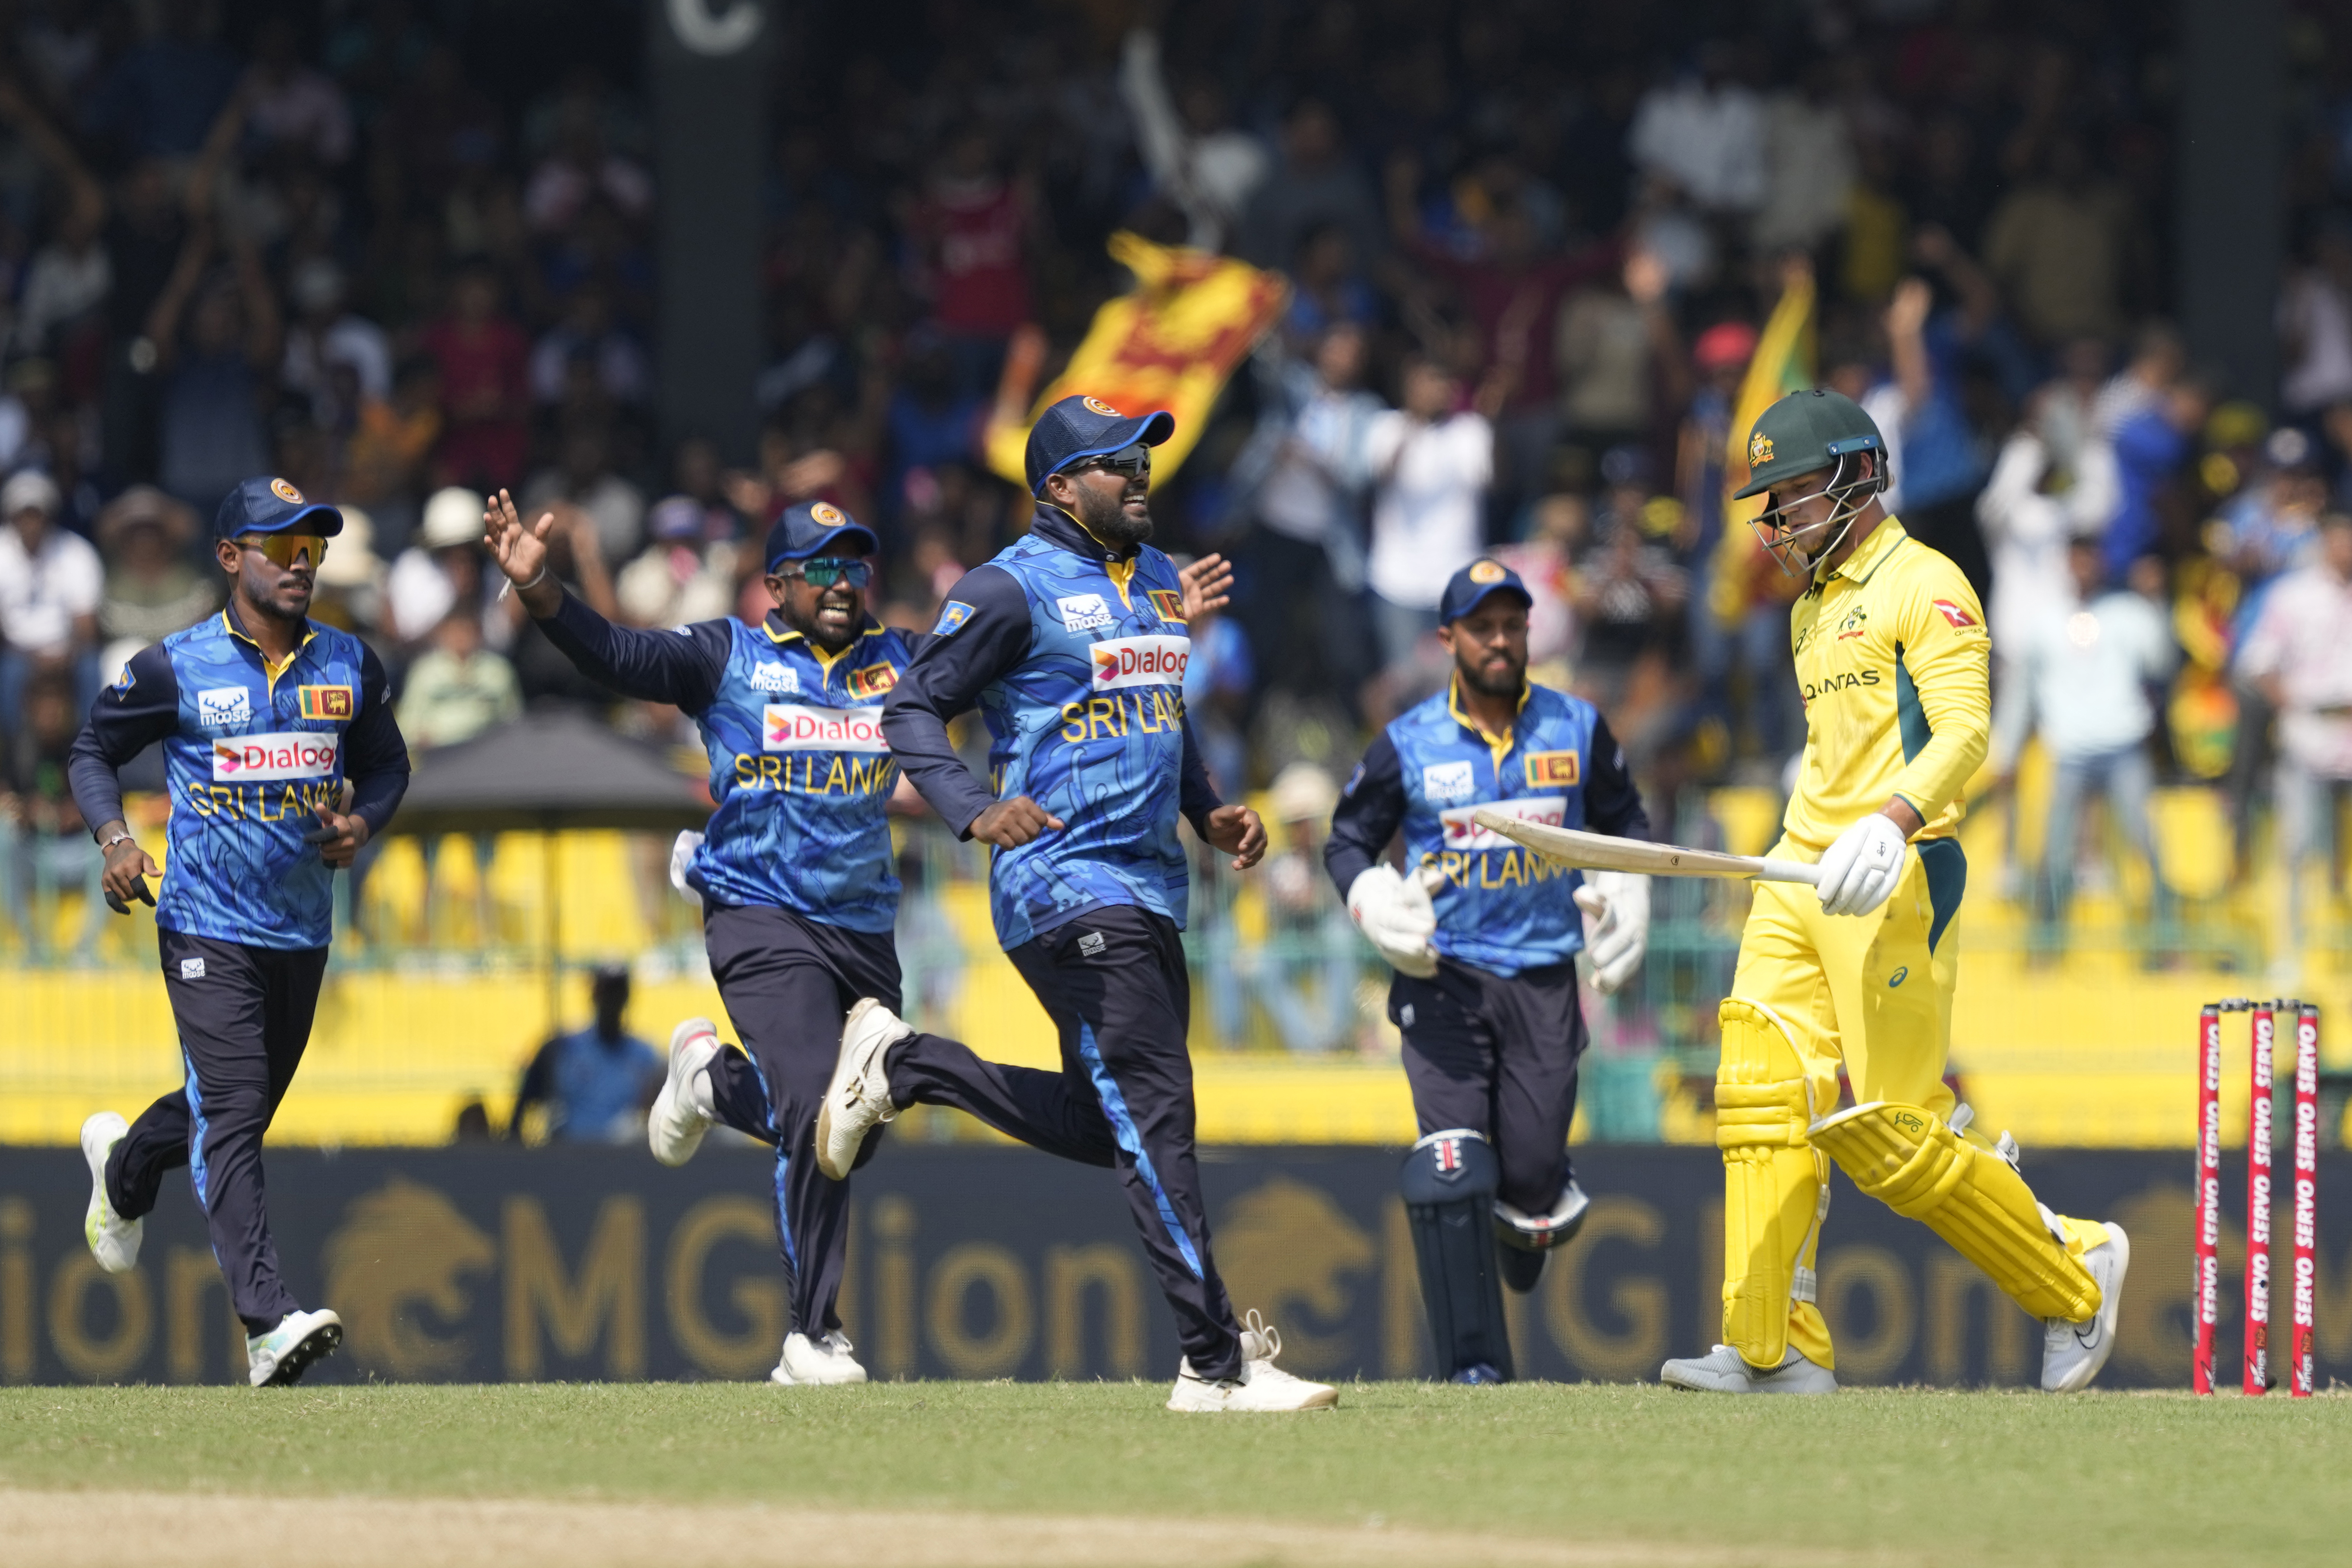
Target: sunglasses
x=283 y=550
x=823 y=573
x=1131 y=463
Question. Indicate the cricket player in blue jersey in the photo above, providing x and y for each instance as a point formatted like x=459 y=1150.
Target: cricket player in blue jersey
x=798 y=887
x=1484 y=937
x=1072 y=644
x=281 y=759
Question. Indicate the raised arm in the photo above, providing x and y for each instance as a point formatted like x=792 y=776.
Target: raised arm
x=682 y=668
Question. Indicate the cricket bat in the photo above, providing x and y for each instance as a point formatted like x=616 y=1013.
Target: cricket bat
x=1601 y=852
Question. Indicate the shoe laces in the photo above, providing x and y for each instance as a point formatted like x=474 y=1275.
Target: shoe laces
x=1266 y=1334
x=837 y=1343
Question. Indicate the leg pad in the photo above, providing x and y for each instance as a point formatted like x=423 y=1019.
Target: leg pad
x=1775 y=1188
x=1449 y=1182
x=1907 y=1158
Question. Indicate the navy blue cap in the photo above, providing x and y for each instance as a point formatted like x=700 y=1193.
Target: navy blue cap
x=1080 y=427
x=273 y=506
x=811 y=527
x=1468 y=588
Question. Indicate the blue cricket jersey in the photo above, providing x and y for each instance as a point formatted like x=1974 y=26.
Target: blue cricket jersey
x=799 y=769
x=1502 y=909
x=1075 y=655
x=248 y=752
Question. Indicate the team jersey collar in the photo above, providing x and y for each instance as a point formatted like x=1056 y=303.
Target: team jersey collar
x=1883 y=541
x=231 y=623
x=1498 y=744
x=782 y=634
x=1058 y=527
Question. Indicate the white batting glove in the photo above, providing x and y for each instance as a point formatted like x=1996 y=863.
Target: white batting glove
x=1395 y=915
x=681 y=855
x=1862 y=866
x=1618 y=932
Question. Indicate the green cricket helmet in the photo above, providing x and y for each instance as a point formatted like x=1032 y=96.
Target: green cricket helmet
x=1822 y=433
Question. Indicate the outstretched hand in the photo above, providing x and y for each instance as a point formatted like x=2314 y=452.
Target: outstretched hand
x=521 y=551
x=1208 y=586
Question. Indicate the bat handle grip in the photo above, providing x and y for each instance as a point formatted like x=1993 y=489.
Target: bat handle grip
x=1789 y=871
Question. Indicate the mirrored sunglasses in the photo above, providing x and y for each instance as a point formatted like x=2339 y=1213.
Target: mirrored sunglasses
x=1128 y=462
x=283 y=550
x=825 y=571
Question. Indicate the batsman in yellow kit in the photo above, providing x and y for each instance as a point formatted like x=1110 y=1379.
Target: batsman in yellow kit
x=1893 y=656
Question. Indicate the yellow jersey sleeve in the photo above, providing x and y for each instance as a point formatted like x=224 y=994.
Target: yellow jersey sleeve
x=1943 y=685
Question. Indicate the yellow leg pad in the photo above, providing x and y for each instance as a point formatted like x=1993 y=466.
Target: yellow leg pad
x=1906 y=1158
x=1774 y=1182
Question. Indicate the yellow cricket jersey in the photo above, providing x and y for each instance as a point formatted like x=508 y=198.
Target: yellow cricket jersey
x=1894 y=661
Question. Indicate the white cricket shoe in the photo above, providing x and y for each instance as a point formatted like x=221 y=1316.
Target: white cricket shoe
x=1261 y=1388
x=282 y=1355
x=113 y=1240
x=675 y=1126
x=2073 y=1353
x=1725 y=1371
x=824 y=1361
x=858 y=1098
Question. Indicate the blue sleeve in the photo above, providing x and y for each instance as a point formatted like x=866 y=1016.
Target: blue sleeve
x=1612 y=803
x=682 y=668
x=376 y=757
x=128 y=716
x=944 y=678
x=1196 y=792
x=1370 y=809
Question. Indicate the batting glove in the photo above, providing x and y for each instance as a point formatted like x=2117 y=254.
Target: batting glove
x=1617 y=931
x=1862 y=866
x=1395 y=915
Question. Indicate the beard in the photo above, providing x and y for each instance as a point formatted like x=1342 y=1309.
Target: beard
x=1479 y=679
x=1106 y=517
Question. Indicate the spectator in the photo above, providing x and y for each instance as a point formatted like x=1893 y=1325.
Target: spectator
x=2149 y=445
x=50 y=587
x=483 y=362
x=217 y=373
x=1218 y=678
x=151 y=588
x=2031 y=509
x=1431 y=462
x=2083 y=668
x=291 y=106
x=974 y=229
x=1328 y=288
x=1303 y=974
x=2067 y=250
x=1620 y=358
x=1203 y=164
x=595 y=1083
x=1704 y=132
x=2314 y=321
x=584 y=477
x=2301 y=660
x=587 y=335
x=1313 y=183
x=442 y=573
x=1931 y=453
x=458 y=688
x=1546 y=563
x=1301 y=481
x=1809 y=165
x=160 y=98
x=682 y=574
x=327 y=333
x=44 y=843
x=59 y=312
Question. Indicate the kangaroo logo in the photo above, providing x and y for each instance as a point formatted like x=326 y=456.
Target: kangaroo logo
x=1286 y=1245
x=402 y=1249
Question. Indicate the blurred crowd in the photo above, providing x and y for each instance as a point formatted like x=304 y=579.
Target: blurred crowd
x=1531 y=247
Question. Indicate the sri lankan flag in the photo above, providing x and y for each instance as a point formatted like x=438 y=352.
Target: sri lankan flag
x=1172 y=343
x=1783 y=364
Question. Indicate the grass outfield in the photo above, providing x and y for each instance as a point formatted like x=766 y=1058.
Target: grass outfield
x=946 y=1472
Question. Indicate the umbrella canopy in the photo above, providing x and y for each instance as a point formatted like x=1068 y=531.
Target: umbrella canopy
x=548 y=771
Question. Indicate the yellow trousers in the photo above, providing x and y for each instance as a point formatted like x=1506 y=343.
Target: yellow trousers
x=1875 y=993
